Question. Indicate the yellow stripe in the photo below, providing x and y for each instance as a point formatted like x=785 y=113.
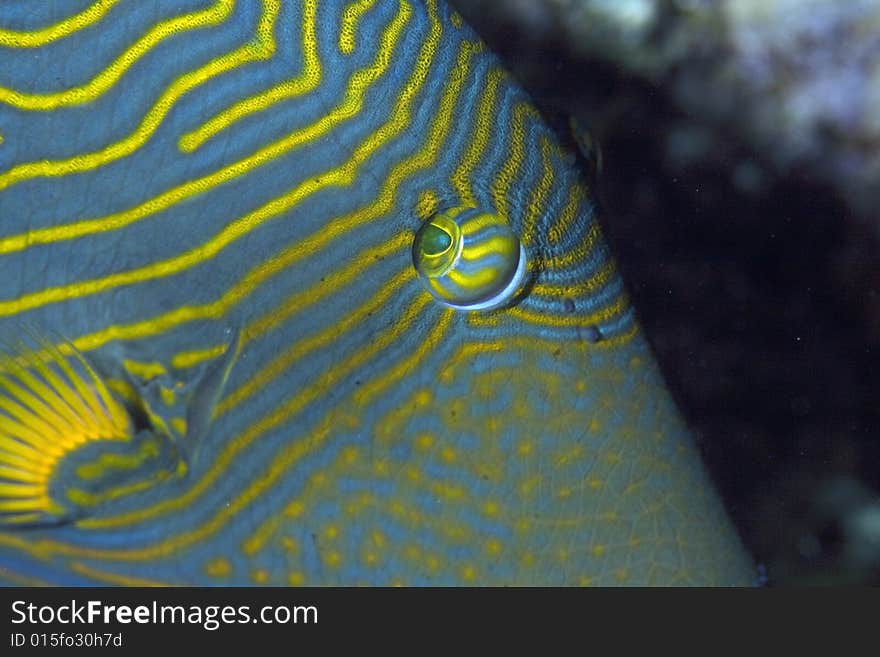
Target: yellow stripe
x=262 y=49
x=558 y=229
x=428 y=343
x=620 y=304
x=229 y=453
x=349 y=108
x=350 y=17
x=361 y=398
x=483 y=127
x=581 y=251
x=507 y=175
x=420 y=160
x=304 y=347
x=113 y=578
x=64 y=28
x=100 y=84
x=605 y=274
x=307 y=81
x=192 y=358
x=537 y=204
x=295 y=450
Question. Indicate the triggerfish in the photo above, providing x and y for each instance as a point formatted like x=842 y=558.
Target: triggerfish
x=306 y=293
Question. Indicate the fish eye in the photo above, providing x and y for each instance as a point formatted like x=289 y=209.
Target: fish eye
x=469 y=259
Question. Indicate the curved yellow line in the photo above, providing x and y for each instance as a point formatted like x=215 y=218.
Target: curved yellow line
x=574 y=289
x=483 y=127
x=262 y=49
x=308 y=80
x=105 y=80
x=348 y=28
x=350 y=107
x=537 y=203
x=516 y=136
x=421 y=159
x=64 y=28
x=362 y=397
x=114 y=578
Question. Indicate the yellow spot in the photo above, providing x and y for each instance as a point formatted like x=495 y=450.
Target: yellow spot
x=595 y=483
x=167 y=395
x=527 y=559
x=331 y=532
x=525 y=448
x=581 y=385
x=295 y=579
x=613 y=458
x=493 y=547
x=621 y=575
x=179 y=425
x=563 y=493
x=378 y=539
x=585 y=580
x=332 y=558
x=523 y=525
x=349 y=455
x=595 y=425
x=294 y=509
x=448 y=455
x=413 y=473
x=433 y=563
x=598 y=550
x=371 y=558
x=469 y=573
x=528 y=486
x=289 y=544
x=423 y=398
x=260 y=576
x=491 y=508
x=456 y=19
x=218 y=568
x=424 y=441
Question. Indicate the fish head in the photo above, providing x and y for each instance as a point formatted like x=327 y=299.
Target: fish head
x=361 y=323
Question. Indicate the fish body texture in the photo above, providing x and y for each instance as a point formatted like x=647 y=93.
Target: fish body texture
x=207 y=214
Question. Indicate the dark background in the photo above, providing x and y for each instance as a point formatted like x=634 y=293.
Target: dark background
x=760 y=294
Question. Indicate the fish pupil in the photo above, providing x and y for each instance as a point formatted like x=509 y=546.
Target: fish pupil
x=435 y=241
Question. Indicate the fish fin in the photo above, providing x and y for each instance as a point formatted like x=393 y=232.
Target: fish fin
x=180 y=402
x=206 y=394
x=56 y=413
